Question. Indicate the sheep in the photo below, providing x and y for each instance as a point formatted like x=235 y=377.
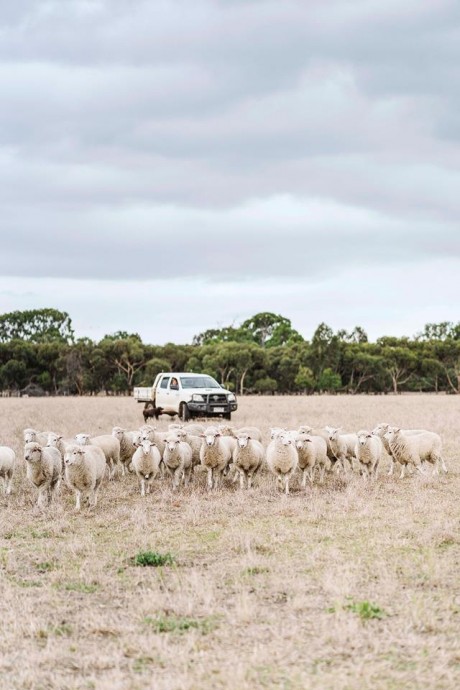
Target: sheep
x=33 y=436
x=128 y=443
x=324 y=433
x=215 y=455
x=414 y=449
x=282 y=458
x=369 y=452
x=227 y=430
x=84 y=470
x=178 y=460
x=195 y=443
x=56 y=441
x=43 y=469
x=380 y=430
x=110 y=447
x=312 y=452
x=343 y=446
x=192 y=429
x=7 y=466
x=151 y=434
x=146 y=464
x=248 y=457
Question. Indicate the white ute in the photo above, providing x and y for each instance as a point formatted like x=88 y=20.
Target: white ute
x=188 y=395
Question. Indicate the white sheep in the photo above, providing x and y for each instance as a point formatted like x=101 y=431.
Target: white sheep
x=369 y=452
x=178 y=460
x=191 y=428
x=33 y=436
x=84 y=470
x=146 y=464
x=7 y=466
x=216 y=454
x=228 y=430
x=343 y=447
x=109 y=445
x=380 y=430
x=57 y=441
x=195 y=443
x=324 y=433
x=129 y=440
x=414 y=449
x=282 y=458
x=43 y=469
x=312 y=452
x=248 y=457
x=150 y=433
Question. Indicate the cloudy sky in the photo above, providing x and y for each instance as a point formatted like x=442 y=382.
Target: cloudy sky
x=170 y=166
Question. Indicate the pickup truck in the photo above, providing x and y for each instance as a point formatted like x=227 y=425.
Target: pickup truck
x=188 y=395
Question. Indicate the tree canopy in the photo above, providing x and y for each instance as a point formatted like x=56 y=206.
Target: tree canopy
x=264 y=354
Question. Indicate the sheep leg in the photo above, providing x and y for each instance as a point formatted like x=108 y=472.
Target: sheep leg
x=403 y=467
x=147 y=490
x=142 y=487
x=77 y=499
x=8 y=484
x=419 y=467
x=177 y=478
x=311 y=475
x=250 y=475
x=209 y=482
x=392 y=467
x=443 y=464
x=321 y=474
x=241 y=480
x=304 y=478
x=286 y=483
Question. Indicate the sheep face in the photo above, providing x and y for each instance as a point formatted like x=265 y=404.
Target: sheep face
x=363 y=437
x=333 y=433
x=146 y=445
x=32 y=452
x=210 y=438
x=275 y=431
x=30 y=435
x=172 y=444
x=53 y=440
x=82 y=439
x=243 y=440
x=380 y=429
x=285 y=440
x=73 y=455
x=301 y=442
x=137 y=439
x=392 y=433
x=117 y=432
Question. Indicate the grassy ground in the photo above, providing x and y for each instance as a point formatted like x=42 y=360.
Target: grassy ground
x=349 y=585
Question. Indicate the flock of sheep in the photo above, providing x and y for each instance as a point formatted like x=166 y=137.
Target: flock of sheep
x=220 y=450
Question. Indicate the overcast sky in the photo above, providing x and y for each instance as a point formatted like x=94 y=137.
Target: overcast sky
x=172 y=166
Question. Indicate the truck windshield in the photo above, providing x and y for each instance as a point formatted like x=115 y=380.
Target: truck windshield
x=198 y=382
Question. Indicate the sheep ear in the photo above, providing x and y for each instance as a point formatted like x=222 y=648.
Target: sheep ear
x=218 y=434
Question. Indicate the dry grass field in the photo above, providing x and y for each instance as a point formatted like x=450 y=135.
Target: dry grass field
x=349 y=585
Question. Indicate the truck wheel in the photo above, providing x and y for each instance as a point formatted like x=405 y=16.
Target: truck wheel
x=227 y=415
x=184 y=412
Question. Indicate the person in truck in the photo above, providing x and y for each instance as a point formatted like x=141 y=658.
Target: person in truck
x=174 y=385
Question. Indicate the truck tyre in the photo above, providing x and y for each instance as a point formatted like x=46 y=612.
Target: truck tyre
x=227 y=415
x=184 y=412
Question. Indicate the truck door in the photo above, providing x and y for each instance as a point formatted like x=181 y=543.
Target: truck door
x=162 y=393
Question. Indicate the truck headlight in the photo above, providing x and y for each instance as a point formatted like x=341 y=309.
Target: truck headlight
x=231 y=397
x=196 y=397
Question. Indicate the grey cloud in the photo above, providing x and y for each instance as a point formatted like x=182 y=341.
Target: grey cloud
x=165 y=134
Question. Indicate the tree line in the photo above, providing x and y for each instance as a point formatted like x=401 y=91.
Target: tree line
x=264 y=354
